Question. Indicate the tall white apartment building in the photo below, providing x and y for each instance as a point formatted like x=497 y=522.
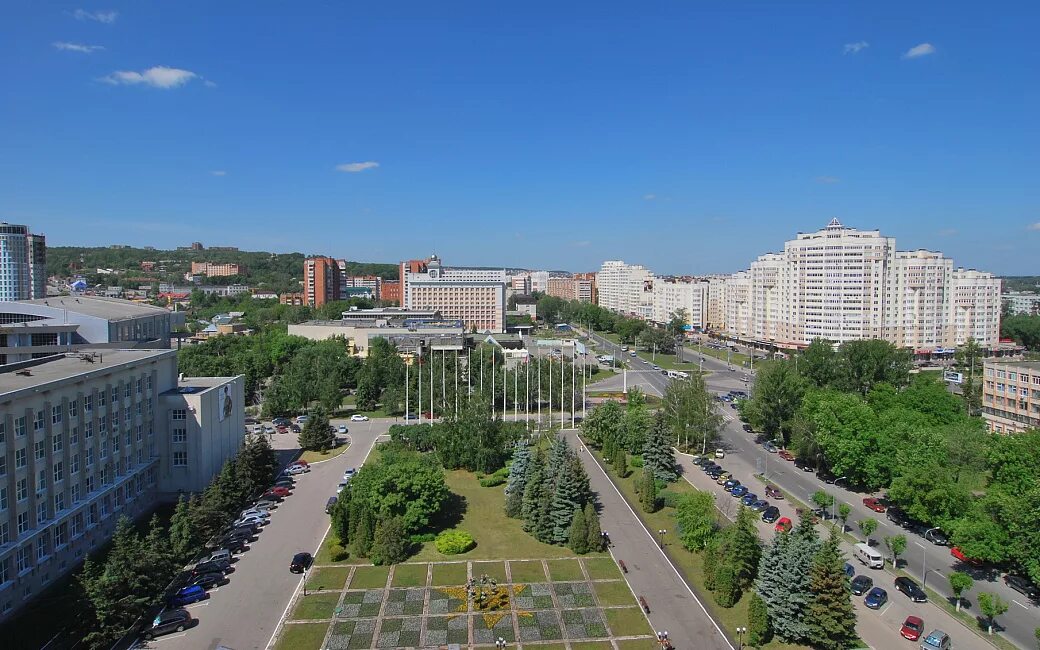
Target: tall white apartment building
x=475 y=296
x=624 y=288
x=539 y=281
x=670 y=296
x=843 y=284
x=716 y=310
x=23 y=263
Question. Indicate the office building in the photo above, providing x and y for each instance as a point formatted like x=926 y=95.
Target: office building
x=475 y=296
x=1011 y=396
x=1021 y=302
x=390 y=292
x=23 y=263
x=359 y=327
x=213 y=270
x=624 y=288
x=90 y=436
x=321 y=281
x=406 y=268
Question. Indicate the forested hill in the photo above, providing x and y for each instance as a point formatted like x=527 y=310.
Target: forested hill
x=276 y=271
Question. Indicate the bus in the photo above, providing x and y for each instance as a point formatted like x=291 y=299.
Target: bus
x=678 y=374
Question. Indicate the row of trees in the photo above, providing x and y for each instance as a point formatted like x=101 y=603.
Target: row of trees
x=132 y=575
x=1023 y=328
x=388 y=502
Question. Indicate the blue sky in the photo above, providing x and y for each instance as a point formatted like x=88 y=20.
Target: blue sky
x=686 y=136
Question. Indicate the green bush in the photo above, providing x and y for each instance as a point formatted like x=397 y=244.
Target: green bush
x=492 y=481
x=423 y=538
x=636 y=461
x=668 y=498
x=453 y=542
x=504 y=473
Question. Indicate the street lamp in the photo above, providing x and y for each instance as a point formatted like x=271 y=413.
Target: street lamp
x=741 y=631
x=500 y=642
x=661 y=532
x=924 y=560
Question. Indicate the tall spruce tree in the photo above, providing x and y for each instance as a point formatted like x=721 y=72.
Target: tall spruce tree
x=571 y=493
x=532 y=499
x=770 y=585
x=742 y=548
x=517 y=482
x=579 y=533
x=790 y=619
x=317 y=435
x=758 y=621
x=657 y=450
x=831 y=616
x=364 y=534
x=595 y=539
x=184 y=540
x=620 y=462
x=648 y=491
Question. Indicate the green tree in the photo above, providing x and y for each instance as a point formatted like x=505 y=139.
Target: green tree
x=657 y=451
x=391 y=544
x=603 y=423
x=402 y=484
x=636 y=423
x=695 y=520
x=864 y=363
x=969 y=362
x=776 y=398
x=691 y=414
x=822 y=499
x=742 y=549
x=677 y=322
x=648 y=491
x=959 y=583
x=183 y=538
x=867 y=527
x=317 y=434
x=818 y=363
x=117 y=588
x=844 y=510
x=579 y=533
x=726 y=590
x=790 y=616
x=530 y=509
x=517 y=481
x=991 y=606
x=620 y=462
x=770 y=585
x=362 y=538
x=896 y=546
x=595 y=538
x=832 y=618
x=758 y=621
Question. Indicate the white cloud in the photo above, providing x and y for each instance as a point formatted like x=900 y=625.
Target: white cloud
x=158 y=77
x=855 y=48
x=649 y=197
x=1033 y=226
x=355 y=167
x=209 y=84
x=77 y=47
x=218 y=172
x=917 y=51
x=107 y=17
x=828 y=180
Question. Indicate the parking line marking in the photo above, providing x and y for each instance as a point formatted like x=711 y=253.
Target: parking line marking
x=1019 y=604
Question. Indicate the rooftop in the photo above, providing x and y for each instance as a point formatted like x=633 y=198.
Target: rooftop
x=194 y=385
x=40 y=372
x=98 y=306
x=1031 y=365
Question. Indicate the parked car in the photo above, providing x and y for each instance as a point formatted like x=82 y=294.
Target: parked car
x=220 y=555
x=937 y=537
x=280 y=422
x=357 y=417
x=861 y=584
x=911 y=589
x=300 y=562
x=302 y=419
x=341 y=428
x=411 y=416
x=723 y=477
x=760 y=505
x=786 y=455
x=774 y=493
x=749 y=499
x=770 y=514
x=330 y=503
x=278 y=491
x=293 y=470
x=295 y=428
x=259 y=512
x=876 y=598
x=237 y=536
x=936 y=640
x=1022 y=586
x=804 y=466
x=170 y=620
x=748 y=428
x=300 y=461
x=896 y=515
x=187 y=595
x=349 y=473
x=770 y=447
x=209 y=580
x=912 y=628
x=959 y=554
x=874 y=504
x=268 y=500
x=210 y=567
x=255 y=520
x=235 y=544
x=730 y=484
x=720 y=453
x=739 y=491
x=783 y=525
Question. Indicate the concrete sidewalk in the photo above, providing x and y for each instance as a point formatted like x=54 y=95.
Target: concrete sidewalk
x=673 y=606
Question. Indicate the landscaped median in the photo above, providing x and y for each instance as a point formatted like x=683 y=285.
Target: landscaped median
x=319 y=456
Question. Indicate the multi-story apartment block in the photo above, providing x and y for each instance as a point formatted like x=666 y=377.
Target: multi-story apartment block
x=573 y=288
x=321 y=281
x=521 y=284
x=214 y=270
x=1021 y=302
x=295 y=299
x=671 y=295
x=476 y=296
x=373 y=283
x=624 y=288
x=1011 y=396
x=391 y=292
x=716 y=310
x=587 y=291
x=23 y=263
x=90 y=436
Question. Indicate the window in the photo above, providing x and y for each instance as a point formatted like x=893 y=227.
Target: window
x=115 y=423
x=3 y=464
x=5 y=538
x=90 y=484
x=148 y=382
x=103 y=425
x=22 y=559
x=88 y=403
x=104 y=450
x=57 y=443
x=88 y=430
x=75 y=493
x=180 y=435
x=104 y=507
x=180 y=459
x=3 y=432
x=179 y=414
x=140 y=456
x=139 y=383
x=140 y=433
x=101 y=398
x=61 y=534
x=19 y=427
x=127 y=390
x=19 y=458
x=38 y=422
x=115 y=445
x=23 y=522
x=74 y=436
x=41 y=548
x=56 y=414
x=90 y=457
x=41 y=512
x=126 y=416
x=104 y=476
x=92 y=514
x=148 y=404
x=115 y=395
x=59 y=471
x=3 y=499
x=59 y=502
x=41 y=480
x=73 y=408
x=22 y=489
x=139 y=410
x=39 y=450
x=74 y=464
x=128 y=438
x=77 y=524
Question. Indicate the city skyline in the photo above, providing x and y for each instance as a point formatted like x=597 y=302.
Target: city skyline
x=575 y=139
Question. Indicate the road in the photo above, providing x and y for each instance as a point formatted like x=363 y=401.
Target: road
x=243 y=614
x=673 y=606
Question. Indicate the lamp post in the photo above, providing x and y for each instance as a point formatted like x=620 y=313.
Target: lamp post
x=500 y=642
x=924 y=560
x=741 y=631
x=661 y=532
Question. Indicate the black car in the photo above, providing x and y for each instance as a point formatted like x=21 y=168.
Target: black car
x=300 y=562
x=748 y=428
x=699 y=460
x=211 y=567
x=770 y=514
x=937 y=537
x=235 y=543
x=1022 y=586
x=171 y=620
x=861 y=584
x=804 y=466
x=896 y=515
x=245 y=531
x=295 y=428
x=209 y=580
x=911 y=589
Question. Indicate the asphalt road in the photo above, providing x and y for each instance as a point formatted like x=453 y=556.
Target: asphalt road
x=243 y=614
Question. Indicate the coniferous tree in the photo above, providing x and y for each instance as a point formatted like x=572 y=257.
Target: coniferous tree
x=364 y=534
x=340 y=517
x=710 y=565
x=532 y=499
x=831 y=616
x=595 y=538
x=519 y=472
x=317 y=434
x=620 y=462
x=657 y=450
x=579 y=533
x=770 y=585
x=158 y=561
x=183 y=537
x=391 y=543
x=726 y=590
x=648 y=491
x=117 y=587
x=758 y=621
x=741 y=548
x=790 y=618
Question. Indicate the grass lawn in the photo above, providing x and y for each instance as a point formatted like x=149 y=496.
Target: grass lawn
x=602 y=568
x=736 y=359
x=527 y=572
x=497 y=536
x=333 y=577
x=666 y=361
x=315 y=606
x=496 y=570
x=304 y=636
x=638 y=644
x=591 y=645
x=331 y=551
x=369 y=577
x=613 y=593
x=317 y=456
x=410 y=575
x=627 y=621
x=449 y=574
x=565 y=570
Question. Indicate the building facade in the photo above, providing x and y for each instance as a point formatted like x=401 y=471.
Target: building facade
x=1011 y=396
x=671 y=295
x=1021 y=302
x=475 y=296
x=213 y=270
x=391 y=292
x=321 y=281
x=573 y=288
x=23 y=263
x=625 y=288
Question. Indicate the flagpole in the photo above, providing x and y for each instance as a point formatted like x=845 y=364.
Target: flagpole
x=550 y=390
x=456 y=383
x=469 y=374
x=527 y=390
x=574 y=355
x=431 y=383
x=539 y=393
x=406 y=382
x=420 y=385
x=563 y=419
x=493 y=373
x=505 y=387
x=444 y=383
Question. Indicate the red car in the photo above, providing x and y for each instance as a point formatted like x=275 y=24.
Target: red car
x=874 y=504
x=912 y=628
x=959 y=554
x=783 y=525
x=786 y=455
x=278 y=492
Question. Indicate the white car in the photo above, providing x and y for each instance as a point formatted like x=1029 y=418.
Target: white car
x=357 y=417
x=252 y=519
x=341 y=428
x=255 y=512
x=300 y=419
x=268 y=428
x=297 y=469
x=258 y=428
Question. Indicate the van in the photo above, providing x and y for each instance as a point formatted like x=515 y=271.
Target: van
x=223 y=555
x=869 y=556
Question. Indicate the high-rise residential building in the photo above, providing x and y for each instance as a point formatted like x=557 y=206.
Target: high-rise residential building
x=539 y=281
x=843 y=284
x=23 y=263
x=1011 y=396
x=521 y=283
x=88 y=437
x=213 y=270
x=321 y=281
x=373 y=283
x=671 y=295
x=625 y=288
x=573 y=288
x=476 y=296
x=1021 y=302
x=586 y=287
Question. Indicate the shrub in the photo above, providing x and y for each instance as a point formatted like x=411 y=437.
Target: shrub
x=423 y=538
x=453 y=542
x=503 y=472
x=492 y=481
x=636 y=461
x=668 y=499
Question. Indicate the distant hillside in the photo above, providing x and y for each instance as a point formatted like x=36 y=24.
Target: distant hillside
x=273 y=271
x=1021 y=283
